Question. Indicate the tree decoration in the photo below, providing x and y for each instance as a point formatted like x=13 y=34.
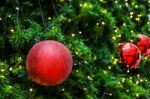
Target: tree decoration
x=147 y=54
x=143 y=43
x=130 y=55
x=49 y=63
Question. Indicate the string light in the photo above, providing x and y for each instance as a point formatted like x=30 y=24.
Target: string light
x=130 y=77
x=141 y=80
x=69 y=20
x=110 y=94
x=138 y=75
x=20 y=67
x=63 y=89
x=137 y=82
x=49 y=18
x=30 y=89
x=89 y=78
x=114 y=38
x=137 y=95
x=9 y=16
x=73 y=35
x=124 y=24
x=128 y=70
x=116 y=1
x=126 y=4
x=17 y=8
x=127 y=90
x=109 y=67
x=0 y=19
x=136 y=6
x=77 y=71
x=10 y=69
x=123 y=79
x=2 y=70
x=80 y=32
x=103 y=23
x=12 y=30
x=97 y=23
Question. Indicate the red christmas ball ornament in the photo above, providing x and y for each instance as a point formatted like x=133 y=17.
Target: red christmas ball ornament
x=143 y=43
x=49 y=63
x=130 y=55
x=147 y=54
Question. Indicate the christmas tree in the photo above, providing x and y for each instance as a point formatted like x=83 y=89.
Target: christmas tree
x=92 y=30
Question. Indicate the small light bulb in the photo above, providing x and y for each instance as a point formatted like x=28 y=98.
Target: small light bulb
x=30 y=89
x=137 y=82
x=12 y=30
x=2 y=70
x=97 y=23
x=0 y=19
x=110 y=94
x=73 y=35
x=80 y=32
x=63 y=89
x=17 y=8
x=109 y=67
x=10 y=69
x=103 y=23
x=49 y=18
x=127 y=90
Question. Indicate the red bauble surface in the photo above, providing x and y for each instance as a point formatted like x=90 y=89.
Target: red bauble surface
x=130 y=55
x=143 y=43
x=147 y=54
x=49 y=63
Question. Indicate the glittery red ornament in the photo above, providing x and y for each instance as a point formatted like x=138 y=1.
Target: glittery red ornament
x=130 y=55
x=49 y=63
x=143 y=43
x=147 y=54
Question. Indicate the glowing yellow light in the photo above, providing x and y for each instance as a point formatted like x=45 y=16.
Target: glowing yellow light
x=63 y=89
x=141 y=80
x=103 y=23
x=116 y=1
x=17 y=8
x=131 y=13
x=77 y=71
x=49 y=18
x=109 y=67
x=124 y=24
x=80 y=32
x=123 y=79
x=69 y=20
x=110 y=94
x=136 y=6
x=30 y=89
x=138 y=75
x=130 y=77
x=127 y=90
x=73 y=35
x=137 y=82
x=2 y=70
x=0 y=19
x=12 y=30
x=114 y=38
x=10 y=69
x=97 y=23
x=137 y=95
x=128 y=71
